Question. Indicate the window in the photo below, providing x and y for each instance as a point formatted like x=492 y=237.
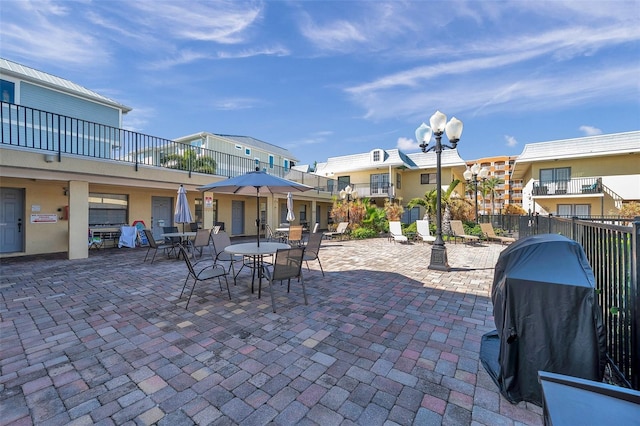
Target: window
x=108 y=209
x=8 y=90
x=398 y=181
x=239 y=147
x=303 y=213
x=570 y=210
x=379 y=183
x=427 y=178
x=271 y=161
x=247 y=151
x=257 y=162
x=343 y=182
x=285 y=164
x=555 y=175
x=199 y=212
x=376 y=156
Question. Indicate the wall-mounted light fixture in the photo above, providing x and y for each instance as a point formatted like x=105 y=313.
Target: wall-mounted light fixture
x=65 y=190
x=49 y=158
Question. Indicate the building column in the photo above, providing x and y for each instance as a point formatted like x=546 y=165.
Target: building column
x=78 y=221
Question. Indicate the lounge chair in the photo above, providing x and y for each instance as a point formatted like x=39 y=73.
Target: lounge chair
x=458 y=232
x=423 y=233
x=395 y=232
x=490 y=234
x=340 y=231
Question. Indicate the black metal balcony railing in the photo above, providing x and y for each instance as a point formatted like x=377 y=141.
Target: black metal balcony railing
x=613 y=251
x=33 y=129
x=575 y=186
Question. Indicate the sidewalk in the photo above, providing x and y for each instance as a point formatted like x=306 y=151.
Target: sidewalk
x=384 y=340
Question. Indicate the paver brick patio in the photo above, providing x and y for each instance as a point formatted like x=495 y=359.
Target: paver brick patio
x=384 y=340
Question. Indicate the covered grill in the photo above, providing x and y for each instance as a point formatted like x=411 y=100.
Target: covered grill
x=546 y=315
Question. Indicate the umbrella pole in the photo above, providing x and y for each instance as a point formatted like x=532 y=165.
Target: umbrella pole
x=258 y=214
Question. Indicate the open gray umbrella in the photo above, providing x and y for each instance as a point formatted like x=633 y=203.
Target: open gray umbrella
x=252 y=183
x=182 y=213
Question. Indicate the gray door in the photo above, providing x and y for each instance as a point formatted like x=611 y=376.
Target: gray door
x=161 y=215
x=12 y=220
x=237 y=217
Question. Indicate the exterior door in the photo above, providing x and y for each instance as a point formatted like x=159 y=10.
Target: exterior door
x=161 y=215
x=237 y=217
x=12 y=220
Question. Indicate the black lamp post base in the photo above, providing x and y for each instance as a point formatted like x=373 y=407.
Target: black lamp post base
x=439 y=258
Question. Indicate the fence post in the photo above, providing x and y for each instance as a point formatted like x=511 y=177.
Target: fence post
x=574 y=228
x=635 y=302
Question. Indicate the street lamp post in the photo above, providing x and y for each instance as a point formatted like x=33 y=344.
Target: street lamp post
x=347 y=193
x=474 y=173
x=453 y=128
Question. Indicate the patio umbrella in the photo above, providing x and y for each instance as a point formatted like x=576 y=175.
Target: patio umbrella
x=253 y=183
x=290 y=216
x=182 y=213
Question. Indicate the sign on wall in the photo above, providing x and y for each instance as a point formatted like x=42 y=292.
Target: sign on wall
x=44 y=218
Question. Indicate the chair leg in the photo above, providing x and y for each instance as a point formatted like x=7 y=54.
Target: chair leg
x=227 y=281
x=321 y=270
x=184 y=286
x=273 y=300
x=191 y=294
x=145 y=256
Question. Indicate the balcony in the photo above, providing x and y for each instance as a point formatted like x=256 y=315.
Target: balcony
x=57 y=135
x=576 y=186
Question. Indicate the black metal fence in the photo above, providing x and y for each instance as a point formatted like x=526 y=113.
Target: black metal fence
x=612 y=246
x=55 y=134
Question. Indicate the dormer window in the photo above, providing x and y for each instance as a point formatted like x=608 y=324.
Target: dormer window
x=377 y=156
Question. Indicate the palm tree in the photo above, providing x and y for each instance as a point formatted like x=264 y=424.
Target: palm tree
x=490 y=186
x=430 y=200
x=190 y=160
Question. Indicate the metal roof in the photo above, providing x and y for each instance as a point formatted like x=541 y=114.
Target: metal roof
x=391 y=158
x=42 y=78
x=585 y=147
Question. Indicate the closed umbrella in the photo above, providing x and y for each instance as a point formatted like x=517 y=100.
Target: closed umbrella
x=182 y=213
x=290 y=216
x=253 y=183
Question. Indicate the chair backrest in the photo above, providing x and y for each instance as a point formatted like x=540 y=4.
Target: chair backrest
x=170 y=229
x=295 y=233
x=268 y=232
x=193 y=226
x=288 y=263
x=313 y=245
x=456 y=227
x=202 y=238
x=395 y=227
x=221 y=241
x=185 y=256
x=342 y=227
x=422 y=227
x=487 y=229
x=152 y=241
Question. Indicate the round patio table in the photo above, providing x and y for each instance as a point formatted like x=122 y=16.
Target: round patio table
x=257 y=254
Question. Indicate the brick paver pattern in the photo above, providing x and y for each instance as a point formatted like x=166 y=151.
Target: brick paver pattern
x=384 y=340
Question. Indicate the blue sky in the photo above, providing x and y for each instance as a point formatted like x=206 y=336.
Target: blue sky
x=327 y=78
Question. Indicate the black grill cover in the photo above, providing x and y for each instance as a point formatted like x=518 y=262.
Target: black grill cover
x=546 y=315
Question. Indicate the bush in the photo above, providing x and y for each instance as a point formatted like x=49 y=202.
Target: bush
x=363 y=233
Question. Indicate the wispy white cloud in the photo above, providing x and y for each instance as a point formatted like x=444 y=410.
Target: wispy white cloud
x=511 y=141
x=224 y=22
x=234 y=104
x=590 y=130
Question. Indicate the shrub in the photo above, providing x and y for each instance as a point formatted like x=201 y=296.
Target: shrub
x=363 y=233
